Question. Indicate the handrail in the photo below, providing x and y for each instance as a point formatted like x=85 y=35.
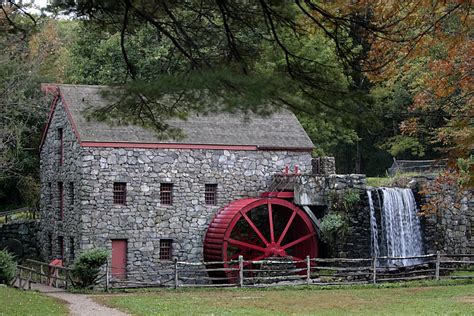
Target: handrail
x=18 y=210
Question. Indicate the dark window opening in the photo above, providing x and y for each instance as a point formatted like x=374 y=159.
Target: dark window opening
x=166 y=193
x=165 y=249
x=71 y=194
x=61 y=247
x=61 y=200
x=210 y=194
x=120 y=192
x=50 y=245
x=71 y=250
x=61 y=146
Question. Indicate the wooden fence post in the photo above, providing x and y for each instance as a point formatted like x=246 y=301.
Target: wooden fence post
x=308 y=270
x=176 y=277
x=241 y=271
x=17 y=277
x=29 y=280
x=41 y=274
x=107 y=275
x=437 y=266
x=374 y=270
x=66 y=278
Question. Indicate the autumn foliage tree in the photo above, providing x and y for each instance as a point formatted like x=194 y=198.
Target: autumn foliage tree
x=319 y=58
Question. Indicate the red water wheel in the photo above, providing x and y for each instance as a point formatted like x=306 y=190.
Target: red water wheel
x=258 y=228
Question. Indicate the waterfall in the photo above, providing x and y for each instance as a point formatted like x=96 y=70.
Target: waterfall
x=373 y=227
x=399 y=225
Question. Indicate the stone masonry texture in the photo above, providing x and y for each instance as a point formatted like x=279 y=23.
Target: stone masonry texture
x=93 y=220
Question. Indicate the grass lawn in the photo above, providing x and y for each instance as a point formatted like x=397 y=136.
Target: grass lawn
x=442 y=300
x=18 y=302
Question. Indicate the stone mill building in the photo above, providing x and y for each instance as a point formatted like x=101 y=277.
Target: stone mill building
x=145 y=199
x=232 y=186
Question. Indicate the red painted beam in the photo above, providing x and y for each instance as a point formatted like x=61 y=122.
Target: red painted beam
x=166 y=145
x=281 y=195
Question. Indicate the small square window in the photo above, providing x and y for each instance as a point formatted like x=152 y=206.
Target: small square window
x=166 y=193
x=120 y=192
x=210 y=194
x=165 y=249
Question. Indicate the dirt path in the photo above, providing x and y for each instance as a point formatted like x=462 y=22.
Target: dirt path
x=79 y=304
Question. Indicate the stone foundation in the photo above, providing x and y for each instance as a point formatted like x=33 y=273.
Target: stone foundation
x=20 y=238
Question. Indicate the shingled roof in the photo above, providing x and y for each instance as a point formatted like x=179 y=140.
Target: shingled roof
x=280 y=130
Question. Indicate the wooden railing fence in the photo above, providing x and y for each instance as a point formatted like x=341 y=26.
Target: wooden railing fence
x=41 y=272
x=310 y=271
x=265 y=273
x=31 y=213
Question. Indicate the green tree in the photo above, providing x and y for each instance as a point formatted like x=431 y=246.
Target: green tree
x=28 y=58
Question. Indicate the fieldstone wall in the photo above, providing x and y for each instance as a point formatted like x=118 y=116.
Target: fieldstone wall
x=317 y=191
x=451 y=229
x=324 y=165
x=52 y=228
x=144 y=221
x=20 y=238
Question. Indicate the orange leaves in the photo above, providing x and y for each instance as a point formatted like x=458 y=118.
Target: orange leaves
x=410 y=126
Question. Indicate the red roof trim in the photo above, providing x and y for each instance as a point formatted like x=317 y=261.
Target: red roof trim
x=298 y=149
x=52 y=89
x=166 y=146
x=187 y=146
x=50 y=117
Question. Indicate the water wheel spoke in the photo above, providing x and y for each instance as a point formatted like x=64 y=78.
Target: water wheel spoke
x=299 y=240
x=255 y=229
x=283 y=234
x=244 y=245
x=270 y=220
x=244 y=229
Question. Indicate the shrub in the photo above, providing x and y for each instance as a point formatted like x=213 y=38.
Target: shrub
x=351 y=197
x=345 y=201
x=86 y=267
x=7 y=267
x=332 y=225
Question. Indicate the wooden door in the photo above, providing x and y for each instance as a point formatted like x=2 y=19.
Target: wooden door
x=119 y=258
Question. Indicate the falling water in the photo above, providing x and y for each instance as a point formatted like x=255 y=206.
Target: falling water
x=400 y=226
x=373 y=227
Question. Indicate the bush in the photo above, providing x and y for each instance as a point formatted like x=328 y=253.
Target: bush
x=7 y=267
x=86 y=267
x=332 y=225
x=351 y=197
x=345 y=201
